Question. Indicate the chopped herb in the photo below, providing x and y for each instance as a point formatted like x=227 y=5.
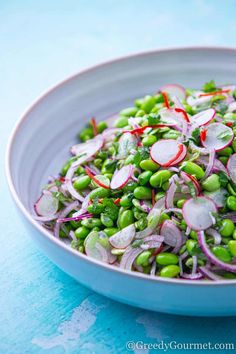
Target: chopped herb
x=223 y=178
x=141 y=154
x=196 y=136
x=224 y=135
x=210 y=86
x=110 y=209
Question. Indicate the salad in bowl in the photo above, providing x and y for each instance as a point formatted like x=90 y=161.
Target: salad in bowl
x=154 y=190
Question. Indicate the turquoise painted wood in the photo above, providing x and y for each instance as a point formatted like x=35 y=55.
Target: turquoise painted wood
x=42 y=310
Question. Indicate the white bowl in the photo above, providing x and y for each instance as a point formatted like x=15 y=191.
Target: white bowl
x=40 y=143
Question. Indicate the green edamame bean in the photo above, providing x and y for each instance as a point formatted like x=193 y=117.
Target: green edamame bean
x=223 y=159
x=159 y=195
x=193 y=169
x=180 y=203
x=159 y=178
x=66 y=167
x=99 y=193
x=211 y=183
x=232 y=247
x=170 y=271
x=144 y=177
x=129 y=112
x=140 y=113
x=148 y=103
x=86 y=134
x=138 y=214
x=222 y=253
x=143 y=193
x=225 y=152
x=171 y=134
x=231 y=203
x=130 y=186
x=82 y=232
x=108 y=166
x=121 y=122
x=91 y=223
x=193 y=235
x=101 y=126
x=141 y=224
x=227 y=228
x=164 y=217
x=129 y=160
x=98 y=162
x=95 y=208
x=166 y=258
x=125 y=219
x=231 y=189
x=165 y=186
x=126 y=200
x=106 y=220
x=81 y=182
x=190 y=246
x=143 y=258
x=149 y=165
x=109 y=231
x=234 y=145
x=149 y=140
x=183 y=225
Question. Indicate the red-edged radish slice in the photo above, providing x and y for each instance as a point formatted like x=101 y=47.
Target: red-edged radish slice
x=218 y=136
x=90 y=148
x=121 y=177
x=165 y=152
x=181 y=157
x=189 y=178
x=197 y=213
x=174 y=90
x=127 y=142
x=197 y=100
x=219 y=197
x=231 y=167
x=204 y=117
x=95 y=247
x=170 y=117
x=46 y=205
x=232 y=107
x=123 y=238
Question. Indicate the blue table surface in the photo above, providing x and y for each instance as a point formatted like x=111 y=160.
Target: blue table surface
x=42 y=310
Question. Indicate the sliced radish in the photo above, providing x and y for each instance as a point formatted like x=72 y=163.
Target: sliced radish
x=231 y=167
x=204 y=117
x=46 y=205
x=121 y=177
x=218 y=136
x=219 y=197
x=97 y=246
x=170 y=117
x=197 y=99
x=189 y=178
x=90 y=148
x=177 y=102
x=232 y=107
x=123 y=238
x=174 y=90
x=197 y=213
x=127 y=142
x=167 y=152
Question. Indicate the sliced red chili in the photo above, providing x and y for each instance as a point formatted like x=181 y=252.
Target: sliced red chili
x=180 y=110
x=203 y=134
x=142 y=129
x=94 y=125
x=91 y=175
x=180 y=150
x=214 y=93
x=62 y=179
x=229 y=124
x=166 y=100
x=117 y=201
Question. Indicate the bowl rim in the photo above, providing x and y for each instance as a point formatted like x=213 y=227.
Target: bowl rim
x=46 y=233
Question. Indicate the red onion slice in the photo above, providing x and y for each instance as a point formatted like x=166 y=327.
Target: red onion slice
x=174 y=90
x=191 y=276
x=209 y=274
x=129 y=257
x=210 y=163
x=166 y=152
x=123 y=238
x=46 y=205
x=121 y=177
x=231 y=167
x=189 y=178
x=172 y=235
x=213 y=259
x=169 y=199
x=203 y=117
x=63 y=214
x=215 y=234
x=69 y=184
x=218 y=137
x=197 y=213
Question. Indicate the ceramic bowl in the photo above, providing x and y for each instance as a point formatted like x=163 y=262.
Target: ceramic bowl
x=40 y=143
